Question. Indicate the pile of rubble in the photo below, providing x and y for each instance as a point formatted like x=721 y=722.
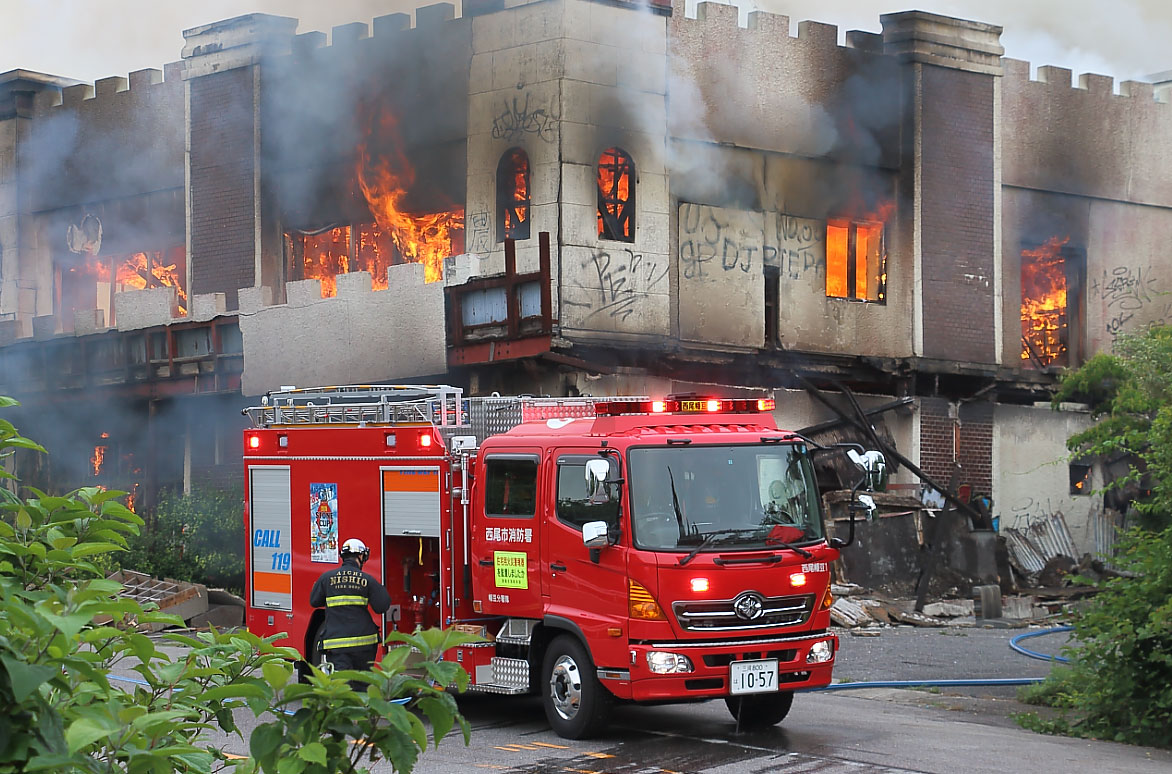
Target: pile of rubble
x=865 y=612
x=197 y=605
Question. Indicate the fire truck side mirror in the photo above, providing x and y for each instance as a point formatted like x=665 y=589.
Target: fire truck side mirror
x=597 y=472
x=596 y=534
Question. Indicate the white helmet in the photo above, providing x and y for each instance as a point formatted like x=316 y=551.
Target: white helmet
x=356 y=548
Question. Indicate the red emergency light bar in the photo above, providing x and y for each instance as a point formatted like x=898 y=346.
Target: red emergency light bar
x=684 y=406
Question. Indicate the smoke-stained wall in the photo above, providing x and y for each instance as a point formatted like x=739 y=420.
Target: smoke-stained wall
x=1089 y=168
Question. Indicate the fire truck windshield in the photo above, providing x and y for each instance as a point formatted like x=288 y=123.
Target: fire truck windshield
x=755 y=496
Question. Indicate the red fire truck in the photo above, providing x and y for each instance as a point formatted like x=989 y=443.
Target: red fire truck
x=611 y=549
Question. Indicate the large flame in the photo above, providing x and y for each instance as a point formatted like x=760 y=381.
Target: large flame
x=1043 y=302
x=139 y=271
x=870 y=256
x=385 y=180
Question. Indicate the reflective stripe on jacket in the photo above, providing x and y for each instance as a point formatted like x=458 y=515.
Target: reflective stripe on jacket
x=345 y=593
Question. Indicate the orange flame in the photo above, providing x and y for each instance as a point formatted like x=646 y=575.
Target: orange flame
x=132 y=497
x=870 y=258
x=426 y=238
x=614 y=183
x=519 y=171
x=1043 y=302
x=139 y=272
x=98 y=458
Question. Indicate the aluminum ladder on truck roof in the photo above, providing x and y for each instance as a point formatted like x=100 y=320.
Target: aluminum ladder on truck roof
x=386 y=404
x=415 y=405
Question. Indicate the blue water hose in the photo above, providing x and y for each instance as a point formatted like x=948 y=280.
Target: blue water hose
x=1033 y=653
x=986 y=681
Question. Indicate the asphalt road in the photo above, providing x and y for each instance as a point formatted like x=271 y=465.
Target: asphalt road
x=856 y=731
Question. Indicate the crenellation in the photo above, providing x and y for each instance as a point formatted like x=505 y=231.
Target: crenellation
x=142 y=79
x=46 y=100
x=105 y=87
x=871 y=42
x=391 y=24
x=818 y=33
x=72 y=96
x=1137 y=90
x=772 y=24
x=173 y=71
x=1096 y=84
x=307 y=42
x=1055 y=75
x=1015 y=68
x=348 y=34
x=434 y=15
x=303 y=292
x=354 y=283
x=717 y=14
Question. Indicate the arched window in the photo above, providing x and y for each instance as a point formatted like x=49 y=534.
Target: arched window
x=616 y=195
x=512 y=195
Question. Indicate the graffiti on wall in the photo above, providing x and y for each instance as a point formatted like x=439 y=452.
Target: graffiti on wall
x=624 y=278
x=800 y=248
x=1128 y=293
x=712 y=245
x=516 y=118
x=480 y=233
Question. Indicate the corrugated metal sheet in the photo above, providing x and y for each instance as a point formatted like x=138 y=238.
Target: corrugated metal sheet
x=1106 y=530
x=1032 y=547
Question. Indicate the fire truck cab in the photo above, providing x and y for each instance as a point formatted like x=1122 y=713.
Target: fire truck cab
x=611 y=549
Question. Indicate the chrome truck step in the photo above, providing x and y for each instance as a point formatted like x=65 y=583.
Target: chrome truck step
x=502 y=675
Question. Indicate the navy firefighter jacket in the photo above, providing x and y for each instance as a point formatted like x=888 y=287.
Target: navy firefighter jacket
x=345 y=593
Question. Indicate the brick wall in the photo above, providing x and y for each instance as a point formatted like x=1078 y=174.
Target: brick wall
x=937 y=439
x=222 y=192
x=957 y=209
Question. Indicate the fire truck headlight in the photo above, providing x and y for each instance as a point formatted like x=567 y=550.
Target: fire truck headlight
x=663 y=663
x=821 y=652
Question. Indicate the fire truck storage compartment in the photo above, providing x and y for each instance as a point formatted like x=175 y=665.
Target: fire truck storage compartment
x=411 y=500
x=270 y=509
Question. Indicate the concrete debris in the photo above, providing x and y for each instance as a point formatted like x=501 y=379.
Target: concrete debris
x=845 y=589
x=845 y=612
x=865 y=632
x=194 y=603
x=954 y=609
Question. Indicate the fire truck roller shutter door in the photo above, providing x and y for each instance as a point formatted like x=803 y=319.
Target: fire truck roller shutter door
x=411 y=501
x=271 y=539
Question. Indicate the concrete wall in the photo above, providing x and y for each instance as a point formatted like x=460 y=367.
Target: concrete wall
x=614 y=94
x=1031 y=473
x=360 y=336
x=1093 y=166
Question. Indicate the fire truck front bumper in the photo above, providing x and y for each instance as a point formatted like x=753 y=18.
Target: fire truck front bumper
x=680 y=670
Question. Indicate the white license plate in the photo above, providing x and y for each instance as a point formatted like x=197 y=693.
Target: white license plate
x=752 y=676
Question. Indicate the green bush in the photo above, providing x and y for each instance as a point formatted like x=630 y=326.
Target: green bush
x=1119 y=683
x=197 y=537
x=65 y=627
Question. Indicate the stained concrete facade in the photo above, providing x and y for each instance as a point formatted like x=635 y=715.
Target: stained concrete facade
x=749 y=145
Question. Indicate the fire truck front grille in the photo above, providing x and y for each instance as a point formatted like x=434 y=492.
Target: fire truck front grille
x=722 y=615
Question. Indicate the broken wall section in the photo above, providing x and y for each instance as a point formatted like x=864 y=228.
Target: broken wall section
x=361 y=336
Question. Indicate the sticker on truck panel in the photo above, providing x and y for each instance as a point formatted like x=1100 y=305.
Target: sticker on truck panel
x=323 y=534
x=511 y=569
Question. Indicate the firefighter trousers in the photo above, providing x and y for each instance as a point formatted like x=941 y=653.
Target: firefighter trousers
x=359 y=659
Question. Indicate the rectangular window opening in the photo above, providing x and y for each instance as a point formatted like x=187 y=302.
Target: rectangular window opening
x=856 y=261
x=1051 y=312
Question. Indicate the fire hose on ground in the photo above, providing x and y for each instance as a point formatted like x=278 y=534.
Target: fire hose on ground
x=978 y=681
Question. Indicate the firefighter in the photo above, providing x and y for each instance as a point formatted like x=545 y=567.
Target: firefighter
x=349 y=638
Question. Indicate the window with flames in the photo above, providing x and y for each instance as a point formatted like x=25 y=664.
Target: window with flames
x=513 y=199
x=91 y=284
x=856 y=259
x=1049 y=274
x=616 y=195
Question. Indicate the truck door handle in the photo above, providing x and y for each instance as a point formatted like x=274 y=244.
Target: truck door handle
x=486 y=563
x=557 y=567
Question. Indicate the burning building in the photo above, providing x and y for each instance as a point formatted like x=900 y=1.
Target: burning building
x=576 y=196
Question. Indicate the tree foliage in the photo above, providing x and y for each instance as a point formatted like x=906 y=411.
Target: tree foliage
x=1130 y=394
x=66 y=628
x=198 y=537
x=1119 y=682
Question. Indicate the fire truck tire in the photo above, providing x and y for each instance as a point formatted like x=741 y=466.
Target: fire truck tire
x=575 y=702
x=760 y=710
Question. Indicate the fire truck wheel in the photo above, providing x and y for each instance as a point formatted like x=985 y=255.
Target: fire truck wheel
x=760 y=710
x=575 y=702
